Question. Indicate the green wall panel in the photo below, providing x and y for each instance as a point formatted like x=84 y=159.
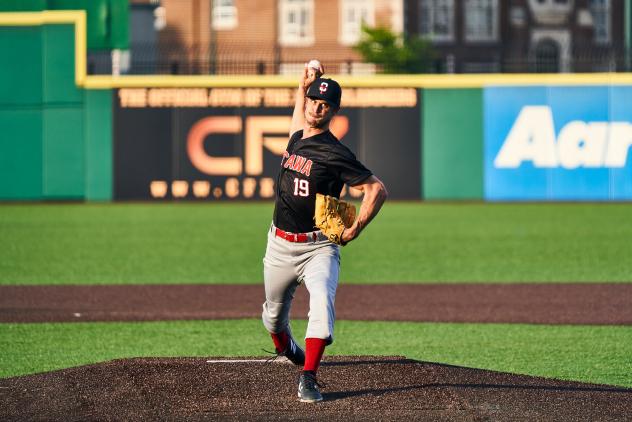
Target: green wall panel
x=98 y=18
x=108 y=21
x=98 y=135
x=452 y=148
x=43 y=141
x=21 y=154
x=120 y=24
x=64 y=152
x=22 y=5
x=21 y=69
x=59 y=65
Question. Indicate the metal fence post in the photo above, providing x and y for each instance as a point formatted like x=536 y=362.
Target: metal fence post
x=628 y=33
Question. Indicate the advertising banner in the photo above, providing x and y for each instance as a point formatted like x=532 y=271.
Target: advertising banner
x=558 y=143
x=227 y=143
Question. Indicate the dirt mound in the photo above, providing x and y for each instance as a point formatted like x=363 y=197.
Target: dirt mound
x=356 y=388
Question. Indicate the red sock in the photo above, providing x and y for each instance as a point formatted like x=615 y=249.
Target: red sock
x=280 y=341
x=314 y=349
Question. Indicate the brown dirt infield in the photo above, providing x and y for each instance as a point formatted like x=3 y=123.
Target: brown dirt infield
x=496 y=303
x=357 y=388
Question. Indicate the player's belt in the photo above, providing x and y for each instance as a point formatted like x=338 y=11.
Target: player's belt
x=296 y=237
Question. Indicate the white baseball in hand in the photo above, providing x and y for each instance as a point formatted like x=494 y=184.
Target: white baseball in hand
x=315 y=66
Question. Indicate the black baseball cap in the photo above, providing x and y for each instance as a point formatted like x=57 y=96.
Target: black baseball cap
x=325 y=89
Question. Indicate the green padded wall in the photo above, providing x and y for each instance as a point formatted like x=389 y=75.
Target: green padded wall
x=58 y=65
x=108 y=21
x=21 y=154
x=452 y=148
x=62 y=137
x=98 y=135
x=21 y=70
x=42 y=145
x=63 y=151
x=119 y=37
x=21 y=113
x=23 y=5
x=98 y=15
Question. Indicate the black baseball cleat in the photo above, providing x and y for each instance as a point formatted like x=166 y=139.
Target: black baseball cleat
x=308 y=391
x=293 y=351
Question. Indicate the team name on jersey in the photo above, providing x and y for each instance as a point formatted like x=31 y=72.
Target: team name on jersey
x=297 y=163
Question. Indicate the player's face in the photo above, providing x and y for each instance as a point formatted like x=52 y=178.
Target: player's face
x=318 y=113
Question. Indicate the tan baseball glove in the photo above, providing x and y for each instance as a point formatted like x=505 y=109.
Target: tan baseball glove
x=332 y=216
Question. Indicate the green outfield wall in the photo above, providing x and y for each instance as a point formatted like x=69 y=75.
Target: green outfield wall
x=452 y=153
x=108 y=20
x=56 y=138
x=67 y=135
x=98 y=145
x=40 y=108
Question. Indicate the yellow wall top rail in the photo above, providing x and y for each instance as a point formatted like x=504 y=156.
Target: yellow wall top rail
x=78 y=19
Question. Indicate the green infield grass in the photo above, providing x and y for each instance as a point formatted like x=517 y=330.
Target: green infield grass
x=225 y=242
x=597 y=354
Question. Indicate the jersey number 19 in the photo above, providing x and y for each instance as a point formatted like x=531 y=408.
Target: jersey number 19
x=301 y=187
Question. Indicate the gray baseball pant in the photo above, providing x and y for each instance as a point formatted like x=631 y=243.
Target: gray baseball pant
x=286 y=265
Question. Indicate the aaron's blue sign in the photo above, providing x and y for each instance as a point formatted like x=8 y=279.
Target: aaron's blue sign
x=558 y=143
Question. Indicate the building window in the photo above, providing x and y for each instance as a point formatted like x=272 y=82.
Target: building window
x=600 y=10
x=353 y=14
x=481 y=20
x=296 y=22
x=436 y=19
x=224 y=14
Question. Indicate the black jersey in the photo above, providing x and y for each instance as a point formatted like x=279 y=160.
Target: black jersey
x=318 y=164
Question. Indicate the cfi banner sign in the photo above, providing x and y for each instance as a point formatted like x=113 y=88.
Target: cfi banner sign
x=558 y=143
x=209 y=144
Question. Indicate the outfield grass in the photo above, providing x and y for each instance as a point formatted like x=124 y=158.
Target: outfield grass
x=598 y=354
x=224 y=243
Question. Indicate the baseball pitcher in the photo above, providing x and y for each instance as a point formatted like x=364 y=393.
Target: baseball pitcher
x=310 y=223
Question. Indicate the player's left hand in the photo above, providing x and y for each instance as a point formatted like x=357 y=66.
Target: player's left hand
x=332 y=216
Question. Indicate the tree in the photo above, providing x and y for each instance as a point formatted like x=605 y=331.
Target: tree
x=395 y=53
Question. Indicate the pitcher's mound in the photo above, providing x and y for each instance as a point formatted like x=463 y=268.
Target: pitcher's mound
x=356 y=388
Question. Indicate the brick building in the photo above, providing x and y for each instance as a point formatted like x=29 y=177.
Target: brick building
x=270 y=36
x=521 y=35
x=469 y=36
